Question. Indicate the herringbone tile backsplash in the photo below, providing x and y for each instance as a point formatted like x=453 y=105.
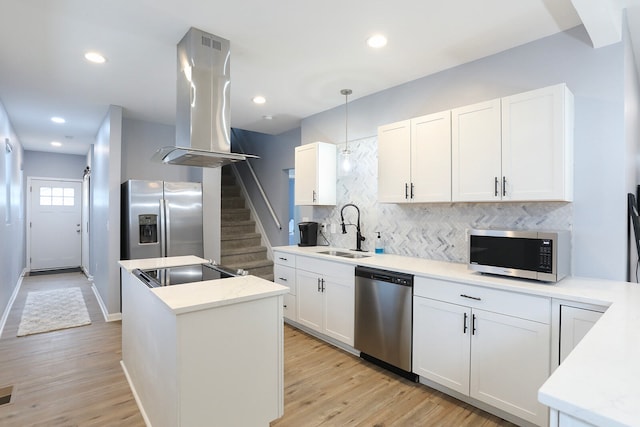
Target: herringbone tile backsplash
x=431 y=231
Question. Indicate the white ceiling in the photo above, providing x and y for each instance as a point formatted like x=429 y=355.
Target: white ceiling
x=298 y=54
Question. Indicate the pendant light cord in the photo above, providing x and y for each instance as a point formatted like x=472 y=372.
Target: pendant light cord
x=346 y=93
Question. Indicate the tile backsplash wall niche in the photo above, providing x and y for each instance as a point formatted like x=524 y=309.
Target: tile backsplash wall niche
x=431 y=231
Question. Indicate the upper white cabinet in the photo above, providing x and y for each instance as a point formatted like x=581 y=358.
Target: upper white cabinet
x=537 y=145
x=414 y=160
x=315 y=174
x=518 y=148
x=476 y=148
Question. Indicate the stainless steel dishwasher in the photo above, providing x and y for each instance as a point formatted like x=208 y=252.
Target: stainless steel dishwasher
x=383 y=318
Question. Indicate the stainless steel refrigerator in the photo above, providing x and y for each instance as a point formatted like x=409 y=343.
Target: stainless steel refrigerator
x=161 y=219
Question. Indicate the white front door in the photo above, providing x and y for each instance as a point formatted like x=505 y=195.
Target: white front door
x=55 y=226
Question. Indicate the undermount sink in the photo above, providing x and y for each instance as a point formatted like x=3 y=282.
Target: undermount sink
x=344 y=254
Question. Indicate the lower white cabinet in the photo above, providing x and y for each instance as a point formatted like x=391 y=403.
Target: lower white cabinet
x=326 y=297
x=498 y=358
x=575 y=322
x=284 y=273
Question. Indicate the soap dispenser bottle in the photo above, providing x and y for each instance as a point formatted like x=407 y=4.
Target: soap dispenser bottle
x=379 y=246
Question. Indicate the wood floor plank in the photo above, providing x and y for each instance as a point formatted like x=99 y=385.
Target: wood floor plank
x=73 y=377
x=325 y=386
x=70 y=377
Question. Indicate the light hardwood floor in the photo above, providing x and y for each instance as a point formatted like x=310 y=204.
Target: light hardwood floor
x=70 y=377
x=73 y=377
x=325 y=386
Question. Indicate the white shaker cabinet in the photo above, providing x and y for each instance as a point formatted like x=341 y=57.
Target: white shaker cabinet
x=518 y=148
x=476 y=152
x=488 y=344
x=575 y=322
x=537 y=147
x=414 y=160
x=326 y=297
x=315 y=174
x=284 y=273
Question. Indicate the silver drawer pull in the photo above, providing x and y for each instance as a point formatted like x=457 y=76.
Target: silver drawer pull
x=282 y=278
x=470 y=297
x=283 y=259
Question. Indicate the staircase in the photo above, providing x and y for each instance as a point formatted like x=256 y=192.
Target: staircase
x=240 y=243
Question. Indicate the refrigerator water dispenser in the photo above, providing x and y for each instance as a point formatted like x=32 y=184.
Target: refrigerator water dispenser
x=148 y=228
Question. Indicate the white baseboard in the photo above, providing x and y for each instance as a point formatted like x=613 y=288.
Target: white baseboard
x=135 y=395
x=14 y=294
x=108 y=317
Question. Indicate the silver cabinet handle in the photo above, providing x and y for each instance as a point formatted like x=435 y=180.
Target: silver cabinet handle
x=283 y=279
x=283 y=259
x=504 y=185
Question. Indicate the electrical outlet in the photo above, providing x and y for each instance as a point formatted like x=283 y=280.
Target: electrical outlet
x=334 y=228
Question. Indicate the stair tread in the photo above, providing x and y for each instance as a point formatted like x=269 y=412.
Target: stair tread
x=241 y=251
x=228 y=223
x=240 y=236
x=248 y=265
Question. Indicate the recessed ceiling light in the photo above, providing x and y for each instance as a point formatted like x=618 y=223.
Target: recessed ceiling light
x=95 y=57
x=59 y=120
x=259 y=99
x=56 y=143
x=377 y=41
x=268 y=117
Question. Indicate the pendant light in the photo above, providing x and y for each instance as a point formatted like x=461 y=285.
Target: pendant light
x=345 y=155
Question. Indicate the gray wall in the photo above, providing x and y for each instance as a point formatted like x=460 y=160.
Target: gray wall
x=12 y=212
x=276 y=154
x=140 y=140
x=596 y=78
x=39 y=164
x=105 y=210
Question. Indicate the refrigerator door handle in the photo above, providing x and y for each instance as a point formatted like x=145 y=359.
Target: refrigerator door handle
x=163 y=229
x=167 y=228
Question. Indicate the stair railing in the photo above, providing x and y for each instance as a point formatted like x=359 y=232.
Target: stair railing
x=257 y=181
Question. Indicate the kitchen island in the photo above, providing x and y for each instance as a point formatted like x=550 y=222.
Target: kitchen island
x=203 y=353
x=596 y=385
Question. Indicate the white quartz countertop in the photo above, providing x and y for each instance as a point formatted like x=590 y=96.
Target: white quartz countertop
x=599 y=382
x=164 y=262
x=197 y=296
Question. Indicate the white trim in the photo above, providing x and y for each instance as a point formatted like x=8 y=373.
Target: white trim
x=135 y=395
x=108 y=317
x=254 y=216
x=12 y=299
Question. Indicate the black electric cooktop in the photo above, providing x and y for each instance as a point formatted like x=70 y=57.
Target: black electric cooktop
x=184 y=274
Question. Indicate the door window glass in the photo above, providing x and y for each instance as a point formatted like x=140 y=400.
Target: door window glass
x=57 y=196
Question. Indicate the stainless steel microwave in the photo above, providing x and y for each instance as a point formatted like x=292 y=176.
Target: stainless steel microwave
x=537 y=255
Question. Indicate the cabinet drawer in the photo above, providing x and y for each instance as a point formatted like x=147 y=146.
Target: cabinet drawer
x=284 y=258
x=289 y=308
x=285 y=276
x=326 y=268
x=515 y=304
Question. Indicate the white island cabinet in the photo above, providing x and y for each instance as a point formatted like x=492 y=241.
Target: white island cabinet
x=205 y=353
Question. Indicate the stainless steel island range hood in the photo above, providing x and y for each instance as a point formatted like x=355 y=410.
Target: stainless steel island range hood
x=202 y=115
